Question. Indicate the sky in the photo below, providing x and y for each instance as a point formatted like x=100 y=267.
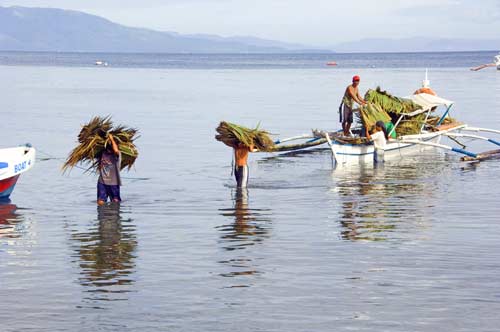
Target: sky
x=311 y=22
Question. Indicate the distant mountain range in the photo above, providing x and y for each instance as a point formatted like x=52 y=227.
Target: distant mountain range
x=49 y=29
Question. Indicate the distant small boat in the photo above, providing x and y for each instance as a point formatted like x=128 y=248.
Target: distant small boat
x=101 y=63
x=331 y=63
x=14 y=162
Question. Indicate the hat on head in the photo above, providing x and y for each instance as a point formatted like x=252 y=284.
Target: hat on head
x=355 y=78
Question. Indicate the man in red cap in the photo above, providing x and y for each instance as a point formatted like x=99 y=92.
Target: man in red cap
x=351 y=96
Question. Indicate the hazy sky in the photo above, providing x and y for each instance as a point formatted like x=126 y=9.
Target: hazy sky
x=313 y=22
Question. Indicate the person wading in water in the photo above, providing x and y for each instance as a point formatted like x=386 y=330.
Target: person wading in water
x=241 y=168
x=351 y=96
x=109 y=181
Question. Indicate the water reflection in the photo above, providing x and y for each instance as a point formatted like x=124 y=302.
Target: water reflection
x=106 y=254
x=248 y=228
x=375 y=199
x=9 y=220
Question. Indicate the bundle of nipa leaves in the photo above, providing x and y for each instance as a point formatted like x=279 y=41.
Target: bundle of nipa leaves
x=93 y=139
x=233 y=135
x=390 y=103
x=371 y=113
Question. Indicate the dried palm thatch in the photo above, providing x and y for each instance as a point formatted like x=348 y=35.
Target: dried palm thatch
x=433 y=121
x=233 y=135
x=94 y=138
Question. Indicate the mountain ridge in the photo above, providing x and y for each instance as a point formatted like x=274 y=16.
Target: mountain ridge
x=53 y=29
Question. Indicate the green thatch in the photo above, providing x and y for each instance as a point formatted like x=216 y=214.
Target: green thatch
x=233 y=135
x=394 y=107
x=372 y=113
x=93 y=139
x=390 y=103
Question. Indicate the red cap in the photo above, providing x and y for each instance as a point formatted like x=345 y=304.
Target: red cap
x=355 y=78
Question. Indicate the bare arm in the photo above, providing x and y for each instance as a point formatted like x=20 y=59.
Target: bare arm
x=354 y=94
x=363 y=101
x=113 y=145
x=368 y=134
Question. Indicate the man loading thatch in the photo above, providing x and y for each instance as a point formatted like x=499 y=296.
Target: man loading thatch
x=109 y=182
x=351 y=96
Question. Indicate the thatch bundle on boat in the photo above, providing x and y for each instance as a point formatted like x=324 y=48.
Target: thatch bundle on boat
x=93 y=139
x=394 y=107
x=390 y=103
x=372 y=113
x=233 y=135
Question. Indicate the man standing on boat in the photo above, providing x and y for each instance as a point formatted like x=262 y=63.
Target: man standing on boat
x=351 y=96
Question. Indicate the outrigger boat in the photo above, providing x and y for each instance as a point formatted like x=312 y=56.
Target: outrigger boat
x=429 y=131
x=495 y=63
x=14 y=162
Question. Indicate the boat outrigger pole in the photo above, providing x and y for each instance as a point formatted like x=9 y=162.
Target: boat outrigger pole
x=467 y=128
x=442 y=146
x=473 y=136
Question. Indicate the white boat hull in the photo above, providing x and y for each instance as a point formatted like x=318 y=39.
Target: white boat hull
x=14 y=162
x=353 y=154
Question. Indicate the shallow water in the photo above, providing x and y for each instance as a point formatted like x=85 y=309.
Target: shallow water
x=409 y=246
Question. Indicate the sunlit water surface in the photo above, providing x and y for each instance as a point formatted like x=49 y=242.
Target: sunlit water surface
x=412 y=245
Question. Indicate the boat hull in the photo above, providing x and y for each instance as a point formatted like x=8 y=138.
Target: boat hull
x=7 y=186
x=14 y=162
x=353 y=154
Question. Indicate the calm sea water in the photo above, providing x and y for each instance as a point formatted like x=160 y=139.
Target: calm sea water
x=411 y=246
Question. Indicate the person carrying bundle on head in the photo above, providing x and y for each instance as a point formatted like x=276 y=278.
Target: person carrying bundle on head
x=243 y=140
x=241 y=167
x=109 y=182
x=351 y=96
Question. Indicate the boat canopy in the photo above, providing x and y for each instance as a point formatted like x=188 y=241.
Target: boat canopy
x=427 y=101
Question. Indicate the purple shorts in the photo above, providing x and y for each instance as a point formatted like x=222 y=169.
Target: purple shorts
x=104 y=191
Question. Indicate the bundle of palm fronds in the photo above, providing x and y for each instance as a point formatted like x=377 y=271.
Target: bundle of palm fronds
x=410 y=126
x=371 y=113
x=233 y=135
x=394 y=107
x=94 y=138
x=433 y=121
x=390 y=103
